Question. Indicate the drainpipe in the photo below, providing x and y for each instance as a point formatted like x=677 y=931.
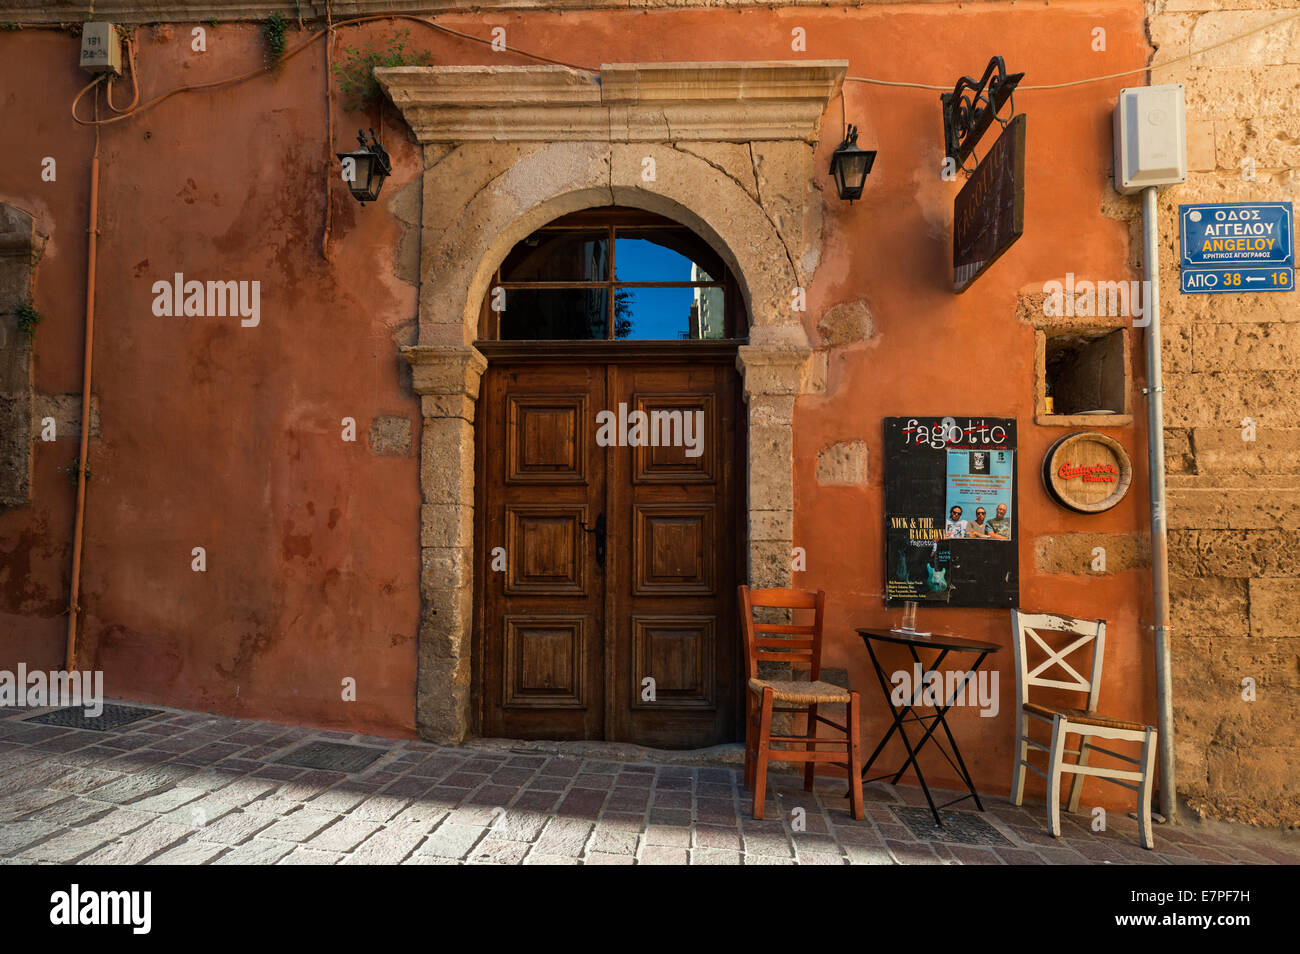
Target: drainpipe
x=1159 y=529
x=92 y=229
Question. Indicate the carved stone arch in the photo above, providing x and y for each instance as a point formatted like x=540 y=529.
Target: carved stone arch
x=508 y=150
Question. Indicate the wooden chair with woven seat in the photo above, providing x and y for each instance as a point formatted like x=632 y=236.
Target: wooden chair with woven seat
x=799 y=644
x=1087 y=723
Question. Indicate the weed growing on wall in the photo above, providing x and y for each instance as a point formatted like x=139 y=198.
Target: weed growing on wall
x=28 y=319
x=273 y=32
x=355 y=69
x=73 y=469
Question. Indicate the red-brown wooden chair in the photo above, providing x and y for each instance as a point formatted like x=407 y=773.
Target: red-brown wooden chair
x=799 y=644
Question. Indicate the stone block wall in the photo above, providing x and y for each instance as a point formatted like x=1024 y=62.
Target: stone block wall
x=1232 y=406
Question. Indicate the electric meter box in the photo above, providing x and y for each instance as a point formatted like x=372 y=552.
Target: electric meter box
x=1150 y=137
x=101 y=50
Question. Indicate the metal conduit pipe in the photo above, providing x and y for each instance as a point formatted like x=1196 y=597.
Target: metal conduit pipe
x=1159 y=528
x=92 y=229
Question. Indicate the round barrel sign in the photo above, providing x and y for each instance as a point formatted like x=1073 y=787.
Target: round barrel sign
x=1087 y=472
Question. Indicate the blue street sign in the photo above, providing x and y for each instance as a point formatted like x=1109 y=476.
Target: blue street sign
x=1256 y=278
x=1236 y=233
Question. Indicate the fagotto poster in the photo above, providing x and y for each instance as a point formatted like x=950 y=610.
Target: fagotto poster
x=950 y=511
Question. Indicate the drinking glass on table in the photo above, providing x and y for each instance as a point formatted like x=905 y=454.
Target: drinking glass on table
x=909 y=617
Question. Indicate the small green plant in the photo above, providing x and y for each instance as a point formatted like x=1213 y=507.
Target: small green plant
x=273 y=28
x=72 y=469
x=355 y=70
x=8 y=25
x=28 y=319
x=213 y=23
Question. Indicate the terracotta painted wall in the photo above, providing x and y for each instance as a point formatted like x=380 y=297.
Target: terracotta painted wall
x=214 y=434
x=227 y=437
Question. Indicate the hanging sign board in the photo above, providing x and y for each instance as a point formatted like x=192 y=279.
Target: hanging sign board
x=951 y=519
x=1234 y=247
x=989 y=214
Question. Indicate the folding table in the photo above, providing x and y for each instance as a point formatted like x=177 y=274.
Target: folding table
x=909 y=712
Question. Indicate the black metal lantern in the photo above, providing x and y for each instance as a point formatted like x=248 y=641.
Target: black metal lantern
x=365 y=169
x=850 y=166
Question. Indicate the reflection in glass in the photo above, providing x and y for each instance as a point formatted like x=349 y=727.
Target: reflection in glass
x=663 y=255
x=554 y=314
x=708 y=320
x=559 y=256
x=658 y=314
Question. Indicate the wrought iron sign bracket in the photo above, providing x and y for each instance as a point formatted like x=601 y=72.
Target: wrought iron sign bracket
x=971 y=107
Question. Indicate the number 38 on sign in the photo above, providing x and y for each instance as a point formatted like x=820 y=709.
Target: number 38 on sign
x=1237 y=280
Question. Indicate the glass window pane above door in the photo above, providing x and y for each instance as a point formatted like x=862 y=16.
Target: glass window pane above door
x=559 y=256
x=554 y=314
x=668 y=314
x=664 y=255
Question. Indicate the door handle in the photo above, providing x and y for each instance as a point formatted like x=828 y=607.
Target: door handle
x=599 y=531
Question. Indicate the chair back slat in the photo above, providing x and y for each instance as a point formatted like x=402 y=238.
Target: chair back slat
x=799 y=642
x=784 y=598
x=1058 y=670
x=783 y=628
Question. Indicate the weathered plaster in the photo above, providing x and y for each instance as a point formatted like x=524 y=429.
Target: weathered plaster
x=20 y=250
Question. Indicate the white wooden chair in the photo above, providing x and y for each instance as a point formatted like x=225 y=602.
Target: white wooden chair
x=1087 y=723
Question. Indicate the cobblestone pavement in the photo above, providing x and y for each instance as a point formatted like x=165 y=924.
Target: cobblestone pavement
x=188 y=788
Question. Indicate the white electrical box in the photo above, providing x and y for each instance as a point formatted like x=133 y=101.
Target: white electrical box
x=101 y=50
x=1150 y=137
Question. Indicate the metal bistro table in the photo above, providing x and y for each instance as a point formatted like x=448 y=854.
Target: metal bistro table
x=945 y=645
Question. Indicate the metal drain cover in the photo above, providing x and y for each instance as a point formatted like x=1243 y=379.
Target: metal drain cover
x=74 y=717
x=964 y=828
x=332 y=756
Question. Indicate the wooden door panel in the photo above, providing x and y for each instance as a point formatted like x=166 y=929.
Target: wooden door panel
x=545 y=550
x=546 y=662
x=670 y=607
x=660 y=461
x=546 y=438
x=674 y=549
x=540 y=669
x=678 y=653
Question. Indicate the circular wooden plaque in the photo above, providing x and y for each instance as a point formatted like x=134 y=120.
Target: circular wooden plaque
x=1087 y=472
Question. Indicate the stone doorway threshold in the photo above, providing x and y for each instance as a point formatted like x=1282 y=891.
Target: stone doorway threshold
x=731 y=755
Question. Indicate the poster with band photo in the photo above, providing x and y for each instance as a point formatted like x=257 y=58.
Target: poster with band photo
x=950 y=511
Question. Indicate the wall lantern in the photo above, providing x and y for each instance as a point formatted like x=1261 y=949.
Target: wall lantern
x=850 y=166
x=365 y=169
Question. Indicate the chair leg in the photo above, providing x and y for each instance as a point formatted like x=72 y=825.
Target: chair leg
x=1021 y=753
x=810 y=769
x=1055 y=761
x=1076 y=785
x=750 y=737
x=760 y=757
x=855 y=756
x=1144 y=789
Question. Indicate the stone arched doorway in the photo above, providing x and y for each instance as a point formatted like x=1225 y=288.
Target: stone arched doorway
x=725 y=149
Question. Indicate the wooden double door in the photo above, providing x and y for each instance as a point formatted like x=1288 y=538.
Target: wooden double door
x=608 y=553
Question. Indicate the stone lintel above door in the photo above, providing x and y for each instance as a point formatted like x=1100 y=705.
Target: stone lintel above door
x=623 y=102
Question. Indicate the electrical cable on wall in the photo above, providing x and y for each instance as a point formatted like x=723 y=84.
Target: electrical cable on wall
x=355 y=21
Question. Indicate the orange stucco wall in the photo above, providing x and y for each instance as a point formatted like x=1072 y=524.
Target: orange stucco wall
x=229 y=438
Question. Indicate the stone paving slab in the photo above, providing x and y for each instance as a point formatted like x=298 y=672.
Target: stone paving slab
x=189 y=788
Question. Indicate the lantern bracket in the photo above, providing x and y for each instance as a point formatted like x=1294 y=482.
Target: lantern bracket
x=375 y=147
x=972 y=106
